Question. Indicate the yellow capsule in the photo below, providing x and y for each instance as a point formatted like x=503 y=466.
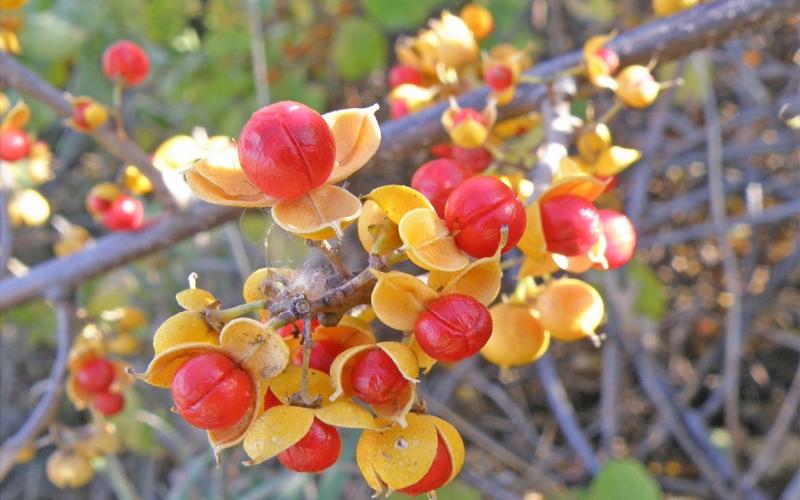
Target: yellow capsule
x=517 y=336
x=593 y=140
x=636 y=86
x=28 y=207
x=664 y=8
x=478 y=19
x=68 y=469
x=124 y=344
x=570 y=309
x=26 y=454
x=136 y=181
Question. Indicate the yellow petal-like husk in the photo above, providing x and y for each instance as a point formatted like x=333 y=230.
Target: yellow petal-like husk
x=182 y=328
x=452 y=439
x=373 y=223
x=321 y=214
x=287 y=383
x=480 y=280
x=260 y=351
x=532 y=243
x=162 y=368
x=397 y=200
x=277 y=429
x=195 y=299
x=586 y=186
x=469 y=134
x=424 y=361
x=17 y=117
x=428 y=242
x=614 y=160
x=517 y=336
x=177 y=153
x=398 y=299
x=357 y=135
x=347 y=414
x=251 y=290
x=79 y=397
x=538 y=267
x=211 y=193
x=221 y=168
x=398 y=457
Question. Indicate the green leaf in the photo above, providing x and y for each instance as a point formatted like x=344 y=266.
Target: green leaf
x=47 y=37
x=652 y=298
x=359 y=48
x=624 y=480
x=454 y=490
x=396 y=16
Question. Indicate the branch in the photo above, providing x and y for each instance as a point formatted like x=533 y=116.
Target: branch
x=670 y=38
x=24 y=80
x=48 y=404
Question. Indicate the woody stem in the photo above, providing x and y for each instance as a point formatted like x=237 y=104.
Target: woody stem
x=307 y=343
x=116 y=103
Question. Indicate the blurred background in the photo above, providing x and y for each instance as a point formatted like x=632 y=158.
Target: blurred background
x=670 y=311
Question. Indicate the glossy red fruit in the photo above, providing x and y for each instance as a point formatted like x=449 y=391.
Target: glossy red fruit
x=14 y=145
x=442 y=150
x=620 y=237
x=398 y=108
x=323 y=352
x=475 y=159
x=477 y=210
x=453 y=327
x=498 y=77
x=437 y=179
x=95 y=375
x=211 y=392
x=613 y=180
x=610 y=57
x=127 y=62
x=437 y=476
x=318 y=450
x=270 y=400
x=126 y=213
x=375 y=378
x=287 y=149
x=97 y=205
x=295 y=328
x=400 y=74
x=470 y=113
x=108 y=403
x=570 y=224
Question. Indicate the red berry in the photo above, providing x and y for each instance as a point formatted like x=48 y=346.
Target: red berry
x=438 y=474
x=612 y=183
x=97 y=205
x=271 y=400
x=14 y=145
x=296 y=328
x=471 y=114
x=475 y=159
x=323 y=352
x=108 y=403
x=400 y=74
x=620 y=237
x=287 y=149
x=442 y=150
x=499 y=77
x=610 y=57
x=127 y=62
x=437 y=179
x=375 y=378
x=315 y=452
x=398 y=108
x=570 y=224
x=211 y=392
x=477 y=210
x=126 y=213
x=95 y=375
x=453 y=327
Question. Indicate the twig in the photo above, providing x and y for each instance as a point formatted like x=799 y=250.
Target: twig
x=522 y=421
x=775 y=438
x=6 y=234
x=730 y=269
x=609 y=392
x=792 y=491
x=48 y=404
x=687 y=429
x=258 y=54
x=564 y=413
x=16 y=75
x=118 y=480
